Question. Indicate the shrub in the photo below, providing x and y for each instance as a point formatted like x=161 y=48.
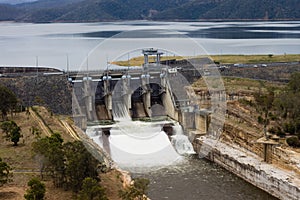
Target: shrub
x=293 y=141
x=36 y=191
x=289 y=128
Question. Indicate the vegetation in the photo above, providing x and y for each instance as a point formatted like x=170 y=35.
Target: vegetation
x=12 y=131
x=279 y=107
x=97 y=10
x=138 y=61
x=91 y=190
x=136 y=191
x=67 y=163
x=79 y=160
x=36 y=190
x=231 y=59
x=25 y=161
x=293 y=141
x=264 y=102
x=221 y=59
x=5 y=174
x=51 y=151
x=8 y=101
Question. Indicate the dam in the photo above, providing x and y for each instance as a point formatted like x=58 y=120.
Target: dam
x=153 y=91
x=136 y=114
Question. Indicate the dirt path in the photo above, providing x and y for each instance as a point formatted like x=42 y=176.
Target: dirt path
x=41 y=124
x=12 y=193
x=69 y=129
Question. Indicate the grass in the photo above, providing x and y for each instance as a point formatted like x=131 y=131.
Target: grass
x=21 y=159
x=138 y=61
x=222 y=59
x=242 y=85
x=231 y=59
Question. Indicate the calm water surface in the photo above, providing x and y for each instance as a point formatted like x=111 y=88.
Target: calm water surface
x=22 y=44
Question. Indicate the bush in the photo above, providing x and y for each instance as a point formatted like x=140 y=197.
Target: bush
x=135 y=191
x=289 y=128
x=272 y=116
x=293 y=141
x=280 y=133
x=5 y=174
x=91 y=189
x=36 y=191
x=246 y=102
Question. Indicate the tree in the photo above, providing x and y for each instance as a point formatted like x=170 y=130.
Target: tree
x=288 y=102
x=91 y=190
x=293 y=141
x=8 y=101
x=79 y=164
x=294 y=83
x=51 y=149
x=264 y=102
x=12 y=131
x=136 y=191
x=5 y=174
x=36 y=191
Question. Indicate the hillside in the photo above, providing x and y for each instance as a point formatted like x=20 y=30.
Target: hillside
x=110 y=10
x=25 y=165
x=15 y=1
x=8 y=12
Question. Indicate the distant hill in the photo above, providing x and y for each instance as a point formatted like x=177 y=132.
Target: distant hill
x=8 y=12
x=233 y=9
x=13 y=2
x=109 y=10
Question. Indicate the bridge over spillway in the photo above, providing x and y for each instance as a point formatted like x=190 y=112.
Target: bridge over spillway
x=152 y=90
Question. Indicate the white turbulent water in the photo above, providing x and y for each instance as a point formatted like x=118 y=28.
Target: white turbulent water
x=181 y=142
x=136 y=145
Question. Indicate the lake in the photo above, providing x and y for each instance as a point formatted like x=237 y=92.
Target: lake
x=51 y=44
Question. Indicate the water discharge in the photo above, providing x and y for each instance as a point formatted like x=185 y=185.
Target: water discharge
x=181 y=142
x=141 y=146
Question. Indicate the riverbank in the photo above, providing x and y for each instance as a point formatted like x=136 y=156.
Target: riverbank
x=281 y=183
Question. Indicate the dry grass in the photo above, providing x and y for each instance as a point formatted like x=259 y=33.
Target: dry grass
x=233 y=84
x=230 y=59
x=25 y=166
x=223 y=59
x=112 y=183
x=138 y=61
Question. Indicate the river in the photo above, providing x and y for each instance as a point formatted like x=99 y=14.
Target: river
x=199 y=179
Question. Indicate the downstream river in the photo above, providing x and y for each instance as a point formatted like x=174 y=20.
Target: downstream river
x=199 y=179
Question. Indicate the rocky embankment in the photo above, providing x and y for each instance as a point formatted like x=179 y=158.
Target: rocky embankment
x=238 y=150
x=53 y=92
x=281 y=183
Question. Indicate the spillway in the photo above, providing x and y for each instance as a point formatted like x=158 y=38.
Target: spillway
x=140 y=146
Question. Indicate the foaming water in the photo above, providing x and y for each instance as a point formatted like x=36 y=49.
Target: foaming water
x=141 y=145
x=181 y=142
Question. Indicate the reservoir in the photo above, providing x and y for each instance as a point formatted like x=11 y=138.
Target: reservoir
x=51 y=44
